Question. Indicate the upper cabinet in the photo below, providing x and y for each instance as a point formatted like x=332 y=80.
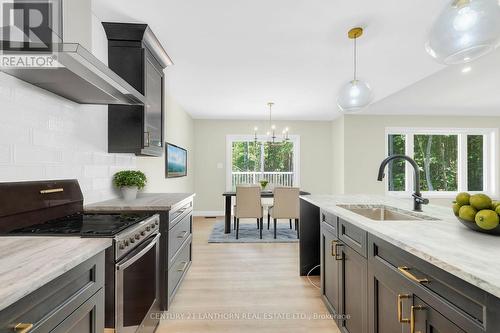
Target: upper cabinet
x=137 y=56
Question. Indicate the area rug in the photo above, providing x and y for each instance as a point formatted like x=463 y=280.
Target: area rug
x=250 y=234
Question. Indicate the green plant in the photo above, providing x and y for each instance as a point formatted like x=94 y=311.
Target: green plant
x=130 y=178
x=263 y=183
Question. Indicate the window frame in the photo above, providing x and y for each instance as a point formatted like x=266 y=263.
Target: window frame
x=490 y=159
x=295 y=139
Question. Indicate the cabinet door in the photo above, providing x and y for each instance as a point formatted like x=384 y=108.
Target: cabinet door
x=330 y=268
x=429 y=320
x=88 y=318
x=353 y=291
x=389 y=299
x=153 y=115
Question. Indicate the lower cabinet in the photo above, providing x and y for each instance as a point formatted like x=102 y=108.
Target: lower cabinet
x=353 y=291
x=72 y=303
x=393 y=291
x=343 y=282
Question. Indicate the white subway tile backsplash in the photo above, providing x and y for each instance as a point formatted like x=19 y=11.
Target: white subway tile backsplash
x=43 y=136
x=24 y=154
x=5 y=154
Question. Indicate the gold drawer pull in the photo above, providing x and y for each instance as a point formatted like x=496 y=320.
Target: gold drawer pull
x=23 y=328
x=183 y=267
x=405 y=271
x=401 y=297
x=412 y=317
x=332 y=250
x=182 y=234
x=337 y=255
x=52 y=190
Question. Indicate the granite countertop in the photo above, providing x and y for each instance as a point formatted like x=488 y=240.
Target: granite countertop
x=28 y=263
x=144 y=201
x=445 y=243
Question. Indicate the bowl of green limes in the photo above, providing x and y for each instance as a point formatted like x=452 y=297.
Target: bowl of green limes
x=478 y=212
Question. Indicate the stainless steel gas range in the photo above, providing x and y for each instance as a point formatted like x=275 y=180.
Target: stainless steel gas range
x=55 y=208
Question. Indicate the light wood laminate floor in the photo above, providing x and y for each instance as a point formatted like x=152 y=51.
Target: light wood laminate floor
x=245 y=288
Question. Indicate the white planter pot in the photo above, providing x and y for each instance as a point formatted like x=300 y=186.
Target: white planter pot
x=129 y=192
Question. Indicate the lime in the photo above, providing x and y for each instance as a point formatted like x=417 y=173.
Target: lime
x=498 y=210
x=487 y=219
x=456 y=208
x=467 y=213
x=495 y=204
x=480 y=201
x=462 y=198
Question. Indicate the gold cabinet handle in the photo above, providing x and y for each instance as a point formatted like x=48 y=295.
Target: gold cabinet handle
x=183 y=267
x=337 y=255
x=405 y=271
x=52 y=190
x=412 y=317
x=148 y=139
x=334 y=242
x=23 y=328
x=182 y=234
x=401 y=297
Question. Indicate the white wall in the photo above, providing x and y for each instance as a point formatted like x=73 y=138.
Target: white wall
x=364 y=145
x=179 y=130
x=210 y=149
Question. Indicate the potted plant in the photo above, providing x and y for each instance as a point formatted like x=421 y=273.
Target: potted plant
x=263 y=183
x=129 y=182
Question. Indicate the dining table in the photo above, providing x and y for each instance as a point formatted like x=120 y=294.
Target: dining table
x=228 y=195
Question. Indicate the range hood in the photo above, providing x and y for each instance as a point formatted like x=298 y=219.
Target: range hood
x=75 y=74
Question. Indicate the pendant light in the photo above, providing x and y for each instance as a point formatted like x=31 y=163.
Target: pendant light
x=465 y=30
x=356 y=93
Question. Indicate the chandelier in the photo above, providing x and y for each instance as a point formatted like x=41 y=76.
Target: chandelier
x=271 y=132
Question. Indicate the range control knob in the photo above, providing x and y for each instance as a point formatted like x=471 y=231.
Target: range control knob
x=143 y=233
x=148 y=228
x=125 y=243
x=137 y=236
x=156 y=222
x=122 y=246
x=132 y=240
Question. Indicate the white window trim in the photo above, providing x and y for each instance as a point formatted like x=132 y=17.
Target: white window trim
x=230 y=138
x=490 y=161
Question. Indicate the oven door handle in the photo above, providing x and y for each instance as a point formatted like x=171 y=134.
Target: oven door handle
x=139 y=254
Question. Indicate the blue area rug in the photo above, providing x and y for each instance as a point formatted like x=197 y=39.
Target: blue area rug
x=250 y=234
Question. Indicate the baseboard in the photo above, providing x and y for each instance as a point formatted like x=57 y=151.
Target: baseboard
x=208 y=213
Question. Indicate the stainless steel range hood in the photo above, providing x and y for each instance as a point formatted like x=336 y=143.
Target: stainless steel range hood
x=74 y=74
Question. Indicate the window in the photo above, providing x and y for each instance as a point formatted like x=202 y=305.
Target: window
x=449 y=160
x=250 y=161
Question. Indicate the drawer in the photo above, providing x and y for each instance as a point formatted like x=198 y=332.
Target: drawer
x=330 y=219
x=455 y=297
x=177 y=236
x=354 y=237
x=177 y=213
x=179 y=267
x=53 y=302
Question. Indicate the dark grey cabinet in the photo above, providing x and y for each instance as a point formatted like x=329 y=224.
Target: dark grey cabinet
x=353 y=291
x=343 y=278
x=330 y=268
x=72 y=303
x=375 y=287
x=136 y=55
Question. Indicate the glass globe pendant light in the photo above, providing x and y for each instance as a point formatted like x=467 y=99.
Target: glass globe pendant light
x=465 y=30
x=355 y=94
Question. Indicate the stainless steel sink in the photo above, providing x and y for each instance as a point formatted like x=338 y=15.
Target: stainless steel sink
x=385 y=213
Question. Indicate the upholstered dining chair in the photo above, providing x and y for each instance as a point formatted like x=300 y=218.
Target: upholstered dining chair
x=286 y=206
x=248 y=205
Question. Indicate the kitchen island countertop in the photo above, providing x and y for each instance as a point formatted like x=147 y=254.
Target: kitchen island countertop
x=471 y=256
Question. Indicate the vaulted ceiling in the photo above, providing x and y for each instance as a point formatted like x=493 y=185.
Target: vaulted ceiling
x=233 y=56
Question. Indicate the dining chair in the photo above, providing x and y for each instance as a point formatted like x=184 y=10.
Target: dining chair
x=286 y=206
x=248 y=205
